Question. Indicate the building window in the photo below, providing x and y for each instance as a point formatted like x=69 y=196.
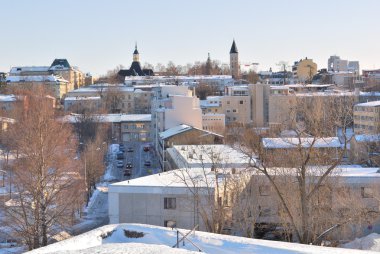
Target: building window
x=264 y=190
x=241 y=102
x=169 y=203
x=366 y=192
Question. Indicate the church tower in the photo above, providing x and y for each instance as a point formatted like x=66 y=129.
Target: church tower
x=136 y=55
x=208 y=65
x=234 y=61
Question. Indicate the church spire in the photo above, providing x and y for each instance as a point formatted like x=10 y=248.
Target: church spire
x=136 y=57
x=233 y=48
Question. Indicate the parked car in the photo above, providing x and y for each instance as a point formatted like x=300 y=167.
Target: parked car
x=130 y=149
x=127 y=172
x=147 y=163
x=120 y=164
x=120 y=155
x=146 y=148
x=128 y=165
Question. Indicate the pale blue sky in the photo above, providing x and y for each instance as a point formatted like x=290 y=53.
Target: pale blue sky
x=97 y=35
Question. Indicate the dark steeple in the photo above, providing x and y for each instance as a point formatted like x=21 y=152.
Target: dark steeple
x=233 y=48
x=136 y=51
x=135 y=69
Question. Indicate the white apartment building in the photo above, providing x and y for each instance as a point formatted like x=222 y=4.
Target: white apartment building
x=336 y=64
x=173 y=106
x=167 y=198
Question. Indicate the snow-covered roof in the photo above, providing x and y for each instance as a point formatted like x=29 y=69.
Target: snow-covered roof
x=288 y=142
x=369 y=93
x=179 y=78
x=41 y=78
x=159 y=240
x=7 y=98
x=367 y=137
x=7 y=119
x=176 y=180
x=111 y=118
x=82 y=98
x=100 y=89
x=175 y=130
x=207 y=104
x=369 y=104
x=182 y=128
x=193 y=156
x=17 y=69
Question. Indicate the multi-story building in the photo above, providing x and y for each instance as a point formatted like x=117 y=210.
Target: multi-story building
x=365 y=149
x=283 y=102
x=116 y=98
x=171 y=106
x=367 y=118
x=80 y=104
x=124 y=127
x=57 y=85
x=236 y=105
x=59 y=67
x=259 y=94
x=214 y=122
x=304 y=70
x=174 y=197
x=336 y=64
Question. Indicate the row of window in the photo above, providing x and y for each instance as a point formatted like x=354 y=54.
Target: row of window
x=367 y=109
x=364 y=127
x=366 y=118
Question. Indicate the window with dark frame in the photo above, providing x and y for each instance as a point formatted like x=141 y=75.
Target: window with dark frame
x=170 y=203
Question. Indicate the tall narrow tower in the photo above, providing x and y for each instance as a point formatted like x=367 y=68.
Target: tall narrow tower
x=136 y=56
x=234 y=61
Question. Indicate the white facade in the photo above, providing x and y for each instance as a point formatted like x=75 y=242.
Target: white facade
x=156 y=199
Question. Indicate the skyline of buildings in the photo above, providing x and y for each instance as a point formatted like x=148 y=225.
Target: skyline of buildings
x=266 y=32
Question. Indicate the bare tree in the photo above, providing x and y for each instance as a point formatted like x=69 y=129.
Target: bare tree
x=113 y=99
x=112 y=76
x=309 y=168
x=221 y=194
x=46 y=175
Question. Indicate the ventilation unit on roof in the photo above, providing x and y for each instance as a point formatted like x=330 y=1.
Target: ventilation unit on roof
x=190 y=156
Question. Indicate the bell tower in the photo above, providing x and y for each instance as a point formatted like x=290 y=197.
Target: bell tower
x=234 y=61
x=136 y=55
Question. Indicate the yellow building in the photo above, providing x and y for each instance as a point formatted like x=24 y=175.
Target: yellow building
x=304 y=70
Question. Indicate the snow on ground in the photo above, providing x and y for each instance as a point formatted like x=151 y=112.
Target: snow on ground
x=369 y=242
x=112 y=239
x=12 y=250
x=109 y=174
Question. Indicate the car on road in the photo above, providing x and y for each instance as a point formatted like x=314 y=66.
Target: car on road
x=121 y=147
x=127 y=172
x=120 y=155
x=147 y=163
x=130 y=149
x=119 y=164
x=128 y=165
x=146 y=148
